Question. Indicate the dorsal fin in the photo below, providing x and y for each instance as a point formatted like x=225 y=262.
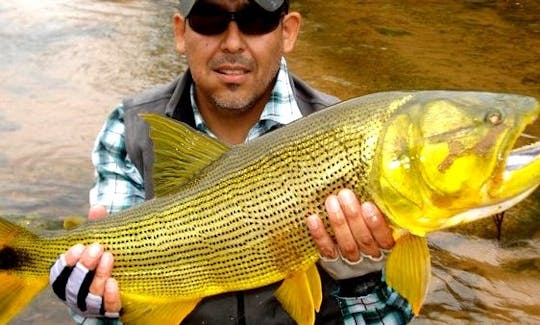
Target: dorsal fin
x=180 y=152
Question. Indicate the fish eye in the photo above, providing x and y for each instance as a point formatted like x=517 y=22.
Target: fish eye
x=494 y=118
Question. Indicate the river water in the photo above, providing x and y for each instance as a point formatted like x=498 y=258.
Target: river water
x=64 y=64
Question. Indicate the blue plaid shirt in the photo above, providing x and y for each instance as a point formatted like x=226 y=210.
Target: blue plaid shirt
x=119 y=185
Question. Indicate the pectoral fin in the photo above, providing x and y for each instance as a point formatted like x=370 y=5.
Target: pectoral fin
x=408 y=269
x=315 y=286
x=144 y=310
x=301 y=295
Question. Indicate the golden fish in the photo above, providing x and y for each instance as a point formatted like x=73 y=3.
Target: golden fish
x=233 y=218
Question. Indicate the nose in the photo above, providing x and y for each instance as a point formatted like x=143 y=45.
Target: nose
x=233 y=40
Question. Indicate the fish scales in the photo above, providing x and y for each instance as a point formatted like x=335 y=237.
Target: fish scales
x=218 y=232
x=239 y=223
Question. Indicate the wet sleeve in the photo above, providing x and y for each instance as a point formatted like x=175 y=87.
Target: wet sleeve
x=118 y=183
x=368 y=300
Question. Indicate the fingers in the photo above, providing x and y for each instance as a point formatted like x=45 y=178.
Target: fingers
x=111 y=298
x=91 y=256
x=322 y=239
x=102 y=274
x=94 y=258
x=97 y=212
x=73 y=254
x=367 y=227
x=86 y=281
x=380 y=230
x=339 y=219
x=359 y=229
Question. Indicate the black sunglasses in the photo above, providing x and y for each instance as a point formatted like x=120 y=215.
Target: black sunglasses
x=209 y=19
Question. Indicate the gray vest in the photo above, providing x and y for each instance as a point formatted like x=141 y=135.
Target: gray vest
x=257 y=306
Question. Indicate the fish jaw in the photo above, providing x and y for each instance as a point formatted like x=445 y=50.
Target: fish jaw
x=519 y=179
x=487 y=210
x=521 y=173
x=441 y=160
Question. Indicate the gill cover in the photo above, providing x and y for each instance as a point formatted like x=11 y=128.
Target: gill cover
x=439 y=153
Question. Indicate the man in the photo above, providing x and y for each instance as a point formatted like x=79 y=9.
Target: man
x=237 y=87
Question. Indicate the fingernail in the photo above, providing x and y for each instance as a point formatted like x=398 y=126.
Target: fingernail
x=369 y=211
x=333 y=208
x=94 y=250
x=313 y=222
x=348 y=194
x=77 y=250
x=332 y=203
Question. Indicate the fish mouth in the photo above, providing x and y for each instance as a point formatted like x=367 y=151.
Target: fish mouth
x=520 y=177
x=517 y=176
x=522 y=156
x=488 y=210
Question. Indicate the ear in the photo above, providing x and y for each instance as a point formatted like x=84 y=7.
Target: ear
x=179 y=27
x=291 y=28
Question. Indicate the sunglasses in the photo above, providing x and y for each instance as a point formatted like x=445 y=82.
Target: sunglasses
x=209 y=19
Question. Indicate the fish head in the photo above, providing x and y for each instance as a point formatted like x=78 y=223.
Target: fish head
x=448 y=157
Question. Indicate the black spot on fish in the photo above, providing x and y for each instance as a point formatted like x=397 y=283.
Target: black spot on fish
x=10 y=258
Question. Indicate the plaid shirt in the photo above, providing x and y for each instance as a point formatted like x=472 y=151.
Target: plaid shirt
x=281 y=109
x=119 y=185
x=381 y=305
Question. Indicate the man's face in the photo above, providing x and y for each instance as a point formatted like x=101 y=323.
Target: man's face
x=232 y=70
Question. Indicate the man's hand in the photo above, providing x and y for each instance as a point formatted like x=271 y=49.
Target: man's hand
x=82 y=279
x=362 y=236
x=97 y=212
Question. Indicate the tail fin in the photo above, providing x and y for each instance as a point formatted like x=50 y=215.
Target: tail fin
x=18 y=287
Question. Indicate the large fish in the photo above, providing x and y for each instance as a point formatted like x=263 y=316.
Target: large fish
x=229 y=219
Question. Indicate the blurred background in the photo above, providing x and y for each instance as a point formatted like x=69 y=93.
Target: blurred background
x=64 y=64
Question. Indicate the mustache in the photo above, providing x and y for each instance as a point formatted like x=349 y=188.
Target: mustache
x=236 y=59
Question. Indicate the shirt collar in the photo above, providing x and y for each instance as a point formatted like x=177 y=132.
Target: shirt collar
x=281 y=109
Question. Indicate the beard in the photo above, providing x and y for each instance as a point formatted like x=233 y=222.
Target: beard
x=232 y=102
x=237 y=101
